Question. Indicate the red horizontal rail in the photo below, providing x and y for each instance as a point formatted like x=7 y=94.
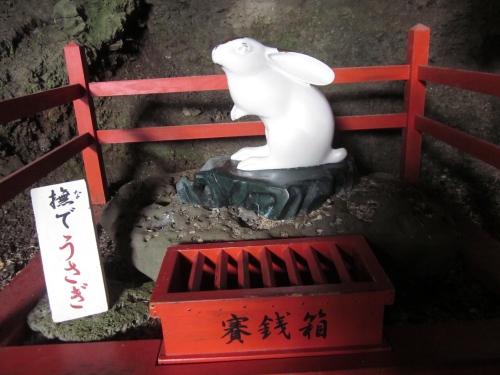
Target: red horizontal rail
x=16 y=108
x=485 y=83
x=236 y=129
x=158 y=85
x=367 y=122
x=26 y=176
x=180 y=132
x=219 y=82
x=478 y=148
x=372 y=74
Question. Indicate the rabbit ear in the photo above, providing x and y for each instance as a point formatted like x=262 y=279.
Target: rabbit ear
x=302 y=67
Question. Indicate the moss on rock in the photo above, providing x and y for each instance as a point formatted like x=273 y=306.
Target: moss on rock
x=129 y=310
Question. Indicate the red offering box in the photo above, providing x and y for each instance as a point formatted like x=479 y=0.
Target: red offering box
x=270 y=299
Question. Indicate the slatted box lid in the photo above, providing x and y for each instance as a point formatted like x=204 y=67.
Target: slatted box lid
x=270 y=298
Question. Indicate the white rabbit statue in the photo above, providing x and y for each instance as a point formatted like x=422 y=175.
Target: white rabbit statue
x=276 y=87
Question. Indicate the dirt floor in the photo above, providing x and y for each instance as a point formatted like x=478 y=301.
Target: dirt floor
x=132 y=39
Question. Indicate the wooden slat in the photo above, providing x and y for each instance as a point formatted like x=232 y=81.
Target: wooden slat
x=478 y=148
x=219 y=82
x=372 y=74
x=26 y=176
x=266 y=267
x=237 y=129
x=414 y=103
x=314 y=266
x=367 y=122
x=221 y=270
x=16 y=108
x=181 y=132
x=196 y=274
x=243 y=270
x=291 y=267
x=158 y=85
x=344 y=275
x=485 y=83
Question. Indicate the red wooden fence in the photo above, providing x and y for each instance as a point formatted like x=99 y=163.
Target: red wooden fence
x=81 y=91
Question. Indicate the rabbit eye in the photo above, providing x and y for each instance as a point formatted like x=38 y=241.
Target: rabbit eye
x=243 y=48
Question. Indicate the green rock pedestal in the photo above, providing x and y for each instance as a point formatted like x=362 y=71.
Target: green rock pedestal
x=275 y=194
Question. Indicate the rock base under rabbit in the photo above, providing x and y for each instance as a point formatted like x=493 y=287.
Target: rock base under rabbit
x=412 y=237
x=274 y=194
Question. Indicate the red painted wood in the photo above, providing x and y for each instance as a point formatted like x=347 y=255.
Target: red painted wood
x=367 y=122
x=314 y=266
x=181 y=295
x=16 y=108
x=366 y=260
x=219 y=82
x=166 y=280
x=17 y=299
x=266 y=265
x=358 y=250
x=243 y=270
x=456 y=347
x=291 y=267
x=460 y=348
x=26 y=176
x=349 y=327
x=478 y=148
x=221 y=267
x=372 y=74
x=181 y=132
x=236 y=129
x=196 y=272
x=342 y=271
x=158 y=85
x=485 y=83
x=414 y=102
x=200 y=313
x=76 y=65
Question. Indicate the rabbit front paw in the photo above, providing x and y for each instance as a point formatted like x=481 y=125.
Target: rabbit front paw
x=237 y=113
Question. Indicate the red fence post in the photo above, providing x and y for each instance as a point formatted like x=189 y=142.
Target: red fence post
x=86 y=123
x=414 y=102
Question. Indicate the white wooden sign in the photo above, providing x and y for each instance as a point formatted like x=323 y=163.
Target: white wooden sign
x=68 y=246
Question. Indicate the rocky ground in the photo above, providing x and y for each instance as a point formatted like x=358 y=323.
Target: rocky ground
x=131 y=39
x=413 y=238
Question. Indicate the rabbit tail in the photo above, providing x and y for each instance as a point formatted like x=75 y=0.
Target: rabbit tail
x=336 y=155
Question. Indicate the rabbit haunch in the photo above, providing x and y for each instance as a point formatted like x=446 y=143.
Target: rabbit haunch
x=276 y=86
